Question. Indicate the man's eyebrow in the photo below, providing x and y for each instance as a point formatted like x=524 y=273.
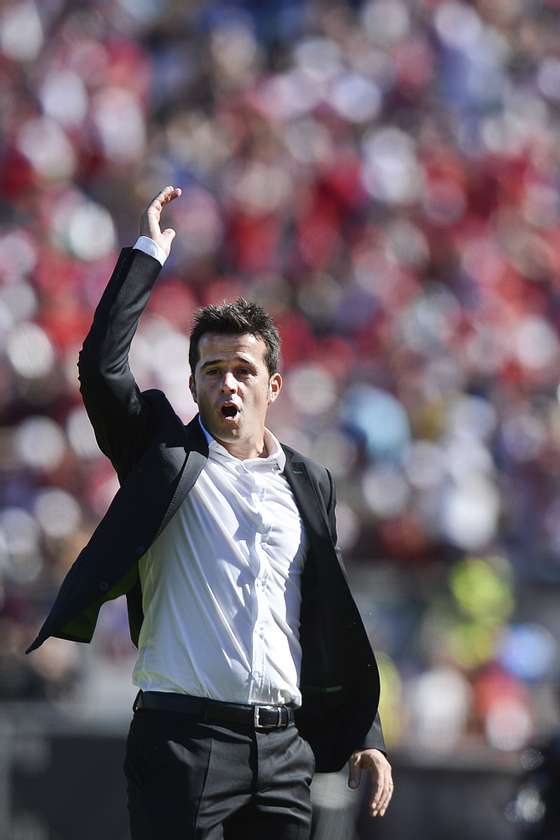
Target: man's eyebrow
x=244 y=359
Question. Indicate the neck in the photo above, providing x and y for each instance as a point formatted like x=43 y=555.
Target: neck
x=244 y=449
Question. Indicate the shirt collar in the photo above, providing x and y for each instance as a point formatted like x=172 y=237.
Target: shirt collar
x=276 y=455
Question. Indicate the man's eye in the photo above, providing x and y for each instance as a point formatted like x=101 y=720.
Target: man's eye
x=245 y=371
x=211 y=371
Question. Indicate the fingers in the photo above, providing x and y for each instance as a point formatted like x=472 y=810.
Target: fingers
x=382 y=789
x=165 y=195
x=381 y=799
x=150 y=221
x=159 y=201
x=354 y=771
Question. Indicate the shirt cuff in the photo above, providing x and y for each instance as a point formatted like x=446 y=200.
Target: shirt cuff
x=148 y=246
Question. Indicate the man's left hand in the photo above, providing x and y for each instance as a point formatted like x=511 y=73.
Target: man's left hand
x=381 y=778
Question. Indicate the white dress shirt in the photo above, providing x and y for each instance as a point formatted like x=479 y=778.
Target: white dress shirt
x=222 y=586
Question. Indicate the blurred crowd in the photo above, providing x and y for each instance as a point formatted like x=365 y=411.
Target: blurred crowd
x=384 y=178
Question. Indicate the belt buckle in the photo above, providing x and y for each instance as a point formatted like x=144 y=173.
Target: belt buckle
x=257 y=721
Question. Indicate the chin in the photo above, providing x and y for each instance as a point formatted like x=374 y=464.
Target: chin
x=222 y=429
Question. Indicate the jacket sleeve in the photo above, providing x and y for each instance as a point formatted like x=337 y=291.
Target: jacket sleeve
x=374 y=738
x=119 y=415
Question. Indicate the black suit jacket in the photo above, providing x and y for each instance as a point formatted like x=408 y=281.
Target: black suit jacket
x=158 y=460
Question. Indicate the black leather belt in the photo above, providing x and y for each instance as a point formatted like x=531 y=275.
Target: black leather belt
x=258 y=717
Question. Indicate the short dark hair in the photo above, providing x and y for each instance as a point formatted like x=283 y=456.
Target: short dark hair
x=237 y=318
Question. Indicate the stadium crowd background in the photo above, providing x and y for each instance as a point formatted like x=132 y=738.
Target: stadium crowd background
x=384 y=178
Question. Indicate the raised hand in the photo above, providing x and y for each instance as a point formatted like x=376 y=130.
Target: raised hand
x=150 y=220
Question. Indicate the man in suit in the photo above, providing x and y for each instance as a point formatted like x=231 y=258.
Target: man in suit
x=253 y=663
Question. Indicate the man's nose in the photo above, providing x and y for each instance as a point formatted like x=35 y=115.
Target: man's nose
x=229 y=383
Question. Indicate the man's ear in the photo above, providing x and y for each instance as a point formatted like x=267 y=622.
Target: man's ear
x=274 y=387
x=192 y=387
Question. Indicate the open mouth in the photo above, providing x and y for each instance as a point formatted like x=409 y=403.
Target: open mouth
x=229 y=411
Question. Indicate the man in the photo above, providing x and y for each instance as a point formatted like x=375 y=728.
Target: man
x=253 y=662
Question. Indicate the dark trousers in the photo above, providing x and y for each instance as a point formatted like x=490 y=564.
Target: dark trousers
x=187 y=779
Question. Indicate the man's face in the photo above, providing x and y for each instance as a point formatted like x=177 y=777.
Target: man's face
x=232 y=386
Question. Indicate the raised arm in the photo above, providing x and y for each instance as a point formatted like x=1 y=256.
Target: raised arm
x=111 y=396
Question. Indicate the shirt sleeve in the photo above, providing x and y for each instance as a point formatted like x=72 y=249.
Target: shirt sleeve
x=148 y=246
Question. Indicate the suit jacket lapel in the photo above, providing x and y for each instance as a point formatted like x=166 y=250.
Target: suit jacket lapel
x=195 y=454
x=308 y=500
